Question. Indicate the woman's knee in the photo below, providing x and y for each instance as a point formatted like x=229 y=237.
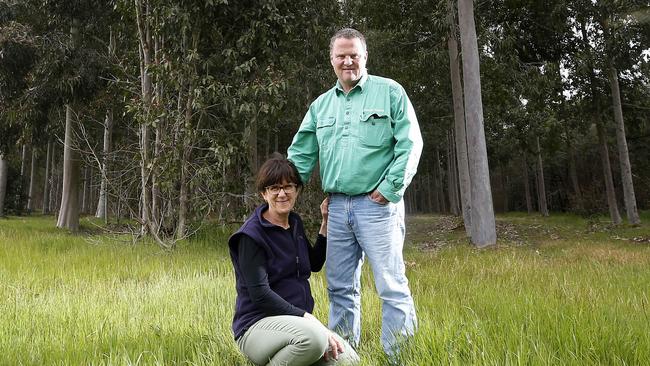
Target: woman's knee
x=312 y=339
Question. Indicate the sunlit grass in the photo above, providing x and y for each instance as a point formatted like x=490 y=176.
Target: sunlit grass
x=558 y=290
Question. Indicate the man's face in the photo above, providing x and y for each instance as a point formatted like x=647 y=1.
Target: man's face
x=348 y=58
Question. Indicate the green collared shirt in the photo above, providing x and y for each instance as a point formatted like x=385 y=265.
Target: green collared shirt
x=368 y=138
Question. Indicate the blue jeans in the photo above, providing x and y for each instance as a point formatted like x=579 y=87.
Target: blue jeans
x=357 y=226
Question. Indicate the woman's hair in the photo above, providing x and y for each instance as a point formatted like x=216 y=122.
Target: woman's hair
x=276 y=169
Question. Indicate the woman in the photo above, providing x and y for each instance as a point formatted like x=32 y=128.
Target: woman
x=273 y=260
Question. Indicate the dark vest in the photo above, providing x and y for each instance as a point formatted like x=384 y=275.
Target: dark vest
x=287 y=266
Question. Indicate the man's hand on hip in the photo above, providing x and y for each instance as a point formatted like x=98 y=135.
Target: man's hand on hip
x=378 y=197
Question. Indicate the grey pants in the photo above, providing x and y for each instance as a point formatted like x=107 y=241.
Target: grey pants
x=287 y=340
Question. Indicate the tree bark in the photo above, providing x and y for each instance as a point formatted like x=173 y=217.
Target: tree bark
x=454 y=201
x=4 y=170
x=102 y=205
x=541 y=186
x=459 y=121
x=623 y=155
x=602 y=141
x=156 y=216
x=69 y=211
x=46 y=185
x=156 y=212
x=483 y=223
x=84 y=195
x=607 y=174
x=142 y=13
x=32 y=174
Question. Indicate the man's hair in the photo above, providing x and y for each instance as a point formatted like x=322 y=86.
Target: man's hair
x=276 y=169
x=348 y=33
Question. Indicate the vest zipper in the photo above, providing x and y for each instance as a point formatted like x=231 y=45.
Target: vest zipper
x=297 y=267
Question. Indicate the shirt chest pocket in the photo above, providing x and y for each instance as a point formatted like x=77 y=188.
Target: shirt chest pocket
x=375 y=129
x=324 y=130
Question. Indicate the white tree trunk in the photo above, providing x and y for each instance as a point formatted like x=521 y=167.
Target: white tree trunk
x=607 y=175
x=483 y=223
x=46 y=187
x=4 y=170
x=452 y=178
x=102 y=205
x=142 y=14
x=156 y=201
x=32 y=174
x=459 y=122
x=86 y=187
x=69 y=211
x=602 y=141
x=623 y=155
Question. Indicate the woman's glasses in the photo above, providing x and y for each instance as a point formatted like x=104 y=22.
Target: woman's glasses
x=287 y=188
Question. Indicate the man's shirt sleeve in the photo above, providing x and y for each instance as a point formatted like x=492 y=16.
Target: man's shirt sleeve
x=303 y=151
x=408 y=147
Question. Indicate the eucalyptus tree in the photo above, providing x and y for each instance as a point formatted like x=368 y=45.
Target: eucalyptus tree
x=483 y=225
x=586 y=64
x=622 y=46
x=459 y=118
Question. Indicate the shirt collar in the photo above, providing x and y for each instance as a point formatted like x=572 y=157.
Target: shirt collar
x=265 y=223
x=361 y=84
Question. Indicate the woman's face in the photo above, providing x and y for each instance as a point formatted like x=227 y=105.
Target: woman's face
x=281 y=197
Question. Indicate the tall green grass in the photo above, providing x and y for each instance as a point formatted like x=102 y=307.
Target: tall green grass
x=559 y=290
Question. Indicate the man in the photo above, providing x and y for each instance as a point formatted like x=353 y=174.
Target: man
x=366 y=137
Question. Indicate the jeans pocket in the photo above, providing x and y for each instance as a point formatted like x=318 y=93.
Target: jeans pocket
x=375 y=202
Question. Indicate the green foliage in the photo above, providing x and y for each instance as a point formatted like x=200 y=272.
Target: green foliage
x=252 y=68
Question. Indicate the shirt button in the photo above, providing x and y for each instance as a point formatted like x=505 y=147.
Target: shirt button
x=347 y=113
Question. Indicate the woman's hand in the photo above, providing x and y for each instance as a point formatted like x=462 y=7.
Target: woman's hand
x=324 y=211
x=335 y=347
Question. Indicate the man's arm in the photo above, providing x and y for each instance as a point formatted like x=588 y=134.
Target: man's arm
x=303 y=151
x=408 y=147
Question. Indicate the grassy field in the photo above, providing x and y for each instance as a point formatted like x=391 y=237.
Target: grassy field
x=554 y=291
